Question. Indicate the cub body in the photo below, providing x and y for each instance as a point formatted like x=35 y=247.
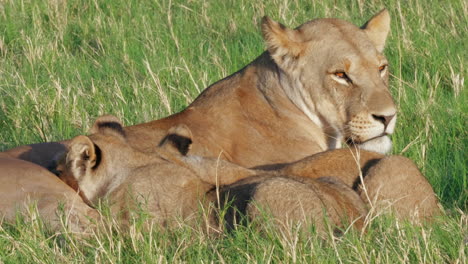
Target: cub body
x=25 y=187
x=292 y=201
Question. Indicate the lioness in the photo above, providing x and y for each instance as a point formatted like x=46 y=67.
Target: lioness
x=172 y=184
x=25 y=187
x=316 y=86
x=321 y=84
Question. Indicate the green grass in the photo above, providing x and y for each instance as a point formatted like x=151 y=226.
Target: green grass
x=63 y=63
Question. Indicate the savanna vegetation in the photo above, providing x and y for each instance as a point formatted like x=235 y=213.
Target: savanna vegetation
x=63 y=63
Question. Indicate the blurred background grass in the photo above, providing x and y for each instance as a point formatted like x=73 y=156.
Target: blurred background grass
x=63 y=63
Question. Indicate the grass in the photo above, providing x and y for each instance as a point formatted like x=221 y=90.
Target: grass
x=63 y=63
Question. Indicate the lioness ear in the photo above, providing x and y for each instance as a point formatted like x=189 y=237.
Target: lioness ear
x=108 y=123
x=377 y=29
x=284 y=44
x=178 y=140
x=82 y=156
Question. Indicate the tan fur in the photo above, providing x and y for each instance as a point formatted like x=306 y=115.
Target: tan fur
x=288 y=103
x=402 y=189
x=170 y=185
x=392 y=182
x=322 y=185
x=376 y=29
x=24 y=185
x=292 y=201
x=166 y=183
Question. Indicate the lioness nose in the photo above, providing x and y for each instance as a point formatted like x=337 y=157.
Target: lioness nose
x=384 y=119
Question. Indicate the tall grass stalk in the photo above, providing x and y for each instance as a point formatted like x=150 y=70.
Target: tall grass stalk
x=63 y=63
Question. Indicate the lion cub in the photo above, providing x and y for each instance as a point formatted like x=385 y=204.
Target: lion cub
x=292 y=201
x=329 y=184
x=165 y=182
x=403 y=189
x=171 y=183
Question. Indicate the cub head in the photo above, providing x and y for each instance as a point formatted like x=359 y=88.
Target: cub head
x=336 y=74
x=96 y=165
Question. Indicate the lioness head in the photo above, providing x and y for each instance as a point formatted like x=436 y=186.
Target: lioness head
x=336 y=74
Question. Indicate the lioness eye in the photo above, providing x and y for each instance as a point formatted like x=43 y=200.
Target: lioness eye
x=342 y=75
x=382 y=68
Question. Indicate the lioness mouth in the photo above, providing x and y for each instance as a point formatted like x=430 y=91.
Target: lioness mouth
x=350 y=141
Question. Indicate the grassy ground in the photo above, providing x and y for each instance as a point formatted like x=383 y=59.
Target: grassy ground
x=63 y=63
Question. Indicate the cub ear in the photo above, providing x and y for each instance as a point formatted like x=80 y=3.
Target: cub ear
x=284 y=44
x=82 y=155
x=178 y=140
x=377 y=29
x=108 y=123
